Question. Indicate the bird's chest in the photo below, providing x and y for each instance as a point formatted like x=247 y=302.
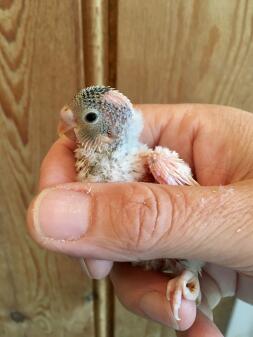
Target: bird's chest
x=116 y=167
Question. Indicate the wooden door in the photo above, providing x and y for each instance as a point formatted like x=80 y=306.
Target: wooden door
x=154 y=51
x=41 y=66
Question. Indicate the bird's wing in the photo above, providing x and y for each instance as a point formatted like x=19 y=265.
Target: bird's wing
x=167 y=168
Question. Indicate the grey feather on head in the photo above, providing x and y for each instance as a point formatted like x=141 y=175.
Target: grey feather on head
x=103 y=112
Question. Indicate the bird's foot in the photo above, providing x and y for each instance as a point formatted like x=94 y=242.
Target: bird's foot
x=184 y=286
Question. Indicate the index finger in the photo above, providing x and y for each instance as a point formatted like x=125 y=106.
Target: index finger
x=58 y=167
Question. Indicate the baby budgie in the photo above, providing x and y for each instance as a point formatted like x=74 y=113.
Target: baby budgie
x=107 y=130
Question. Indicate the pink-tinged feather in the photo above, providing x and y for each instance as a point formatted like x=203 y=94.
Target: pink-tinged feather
x=116 y=98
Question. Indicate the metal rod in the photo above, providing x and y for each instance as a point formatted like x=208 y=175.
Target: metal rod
x=103 y=308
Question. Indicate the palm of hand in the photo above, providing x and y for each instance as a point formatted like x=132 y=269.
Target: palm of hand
x=219 y=156
x=208 y=139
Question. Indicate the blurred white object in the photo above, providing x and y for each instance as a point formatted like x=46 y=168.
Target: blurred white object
x=241 y=322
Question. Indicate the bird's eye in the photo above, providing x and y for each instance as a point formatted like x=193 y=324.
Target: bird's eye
x=91 y=117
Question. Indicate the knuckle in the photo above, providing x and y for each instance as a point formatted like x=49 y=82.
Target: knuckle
x=145 y=218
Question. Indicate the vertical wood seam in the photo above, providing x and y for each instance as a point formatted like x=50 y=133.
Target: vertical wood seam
x=80 y=43
x=113 y=42
x=99 y=18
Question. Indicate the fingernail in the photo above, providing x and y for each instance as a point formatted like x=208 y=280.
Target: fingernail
x=62 y=214
x=156 y=307
x=96 y=269
x=85 y=268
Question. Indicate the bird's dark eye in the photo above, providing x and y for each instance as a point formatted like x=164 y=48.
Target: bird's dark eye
x=91 y=117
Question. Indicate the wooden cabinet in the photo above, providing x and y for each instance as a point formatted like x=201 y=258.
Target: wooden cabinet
x=152 y=50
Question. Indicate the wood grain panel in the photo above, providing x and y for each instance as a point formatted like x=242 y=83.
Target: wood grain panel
x=41 y=67
x=186 y=51
x=166 y=51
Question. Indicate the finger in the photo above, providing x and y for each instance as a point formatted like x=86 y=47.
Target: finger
x=168 y=125
x=189 y=129
x=96 y=269
x=202 y=327
x=67 y=123
x=156 y=118
x=144 y=292
x=58 y=167
x=125 y=222
x=171 y=125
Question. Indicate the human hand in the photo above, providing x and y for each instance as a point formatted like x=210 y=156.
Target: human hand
x=116 y=221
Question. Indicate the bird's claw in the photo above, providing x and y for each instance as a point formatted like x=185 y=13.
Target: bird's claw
x=184 y=286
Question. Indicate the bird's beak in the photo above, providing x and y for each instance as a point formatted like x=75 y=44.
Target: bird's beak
x=67 y=123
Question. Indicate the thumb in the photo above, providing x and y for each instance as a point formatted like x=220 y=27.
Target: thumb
x=133 y=221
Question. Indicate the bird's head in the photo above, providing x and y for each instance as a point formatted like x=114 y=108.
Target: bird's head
x=99 y=114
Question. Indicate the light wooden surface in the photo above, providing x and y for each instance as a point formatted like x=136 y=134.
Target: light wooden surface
x=41 y=67
x=186 y=51
x=159 y=51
